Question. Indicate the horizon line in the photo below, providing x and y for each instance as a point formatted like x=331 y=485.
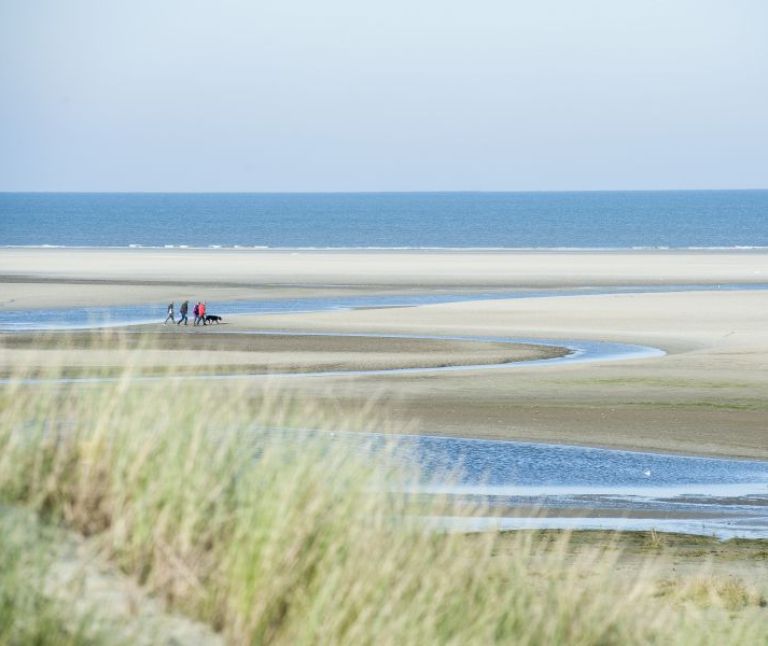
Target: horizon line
x=378 y=192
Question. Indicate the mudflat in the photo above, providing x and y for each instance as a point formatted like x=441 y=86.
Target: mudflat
x=214 y=350
x=708 y=395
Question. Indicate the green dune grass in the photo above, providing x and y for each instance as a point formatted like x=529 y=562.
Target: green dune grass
x=286 y=537
x=27 y=614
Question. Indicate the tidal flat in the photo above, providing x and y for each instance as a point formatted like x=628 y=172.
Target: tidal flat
x=139 y=471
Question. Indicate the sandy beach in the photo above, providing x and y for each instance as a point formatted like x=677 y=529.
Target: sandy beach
x=707 y=396
x=66 y=277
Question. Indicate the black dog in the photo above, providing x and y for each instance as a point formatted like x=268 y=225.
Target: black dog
x=212 y=318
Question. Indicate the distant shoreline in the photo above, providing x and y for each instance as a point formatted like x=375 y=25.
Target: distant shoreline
x=401 y=192
x=57 y=277
x=184 y=247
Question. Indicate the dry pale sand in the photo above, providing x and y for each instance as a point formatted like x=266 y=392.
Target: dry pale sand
x=708 y=396
x=62 y=277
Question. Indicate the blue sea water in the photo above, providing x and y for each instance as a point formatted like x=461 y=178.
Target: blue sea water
x=674 y=219
x=573 y=487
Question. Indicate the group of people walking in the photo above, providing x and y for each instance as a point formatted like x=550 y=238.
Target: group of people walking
x=198 y=311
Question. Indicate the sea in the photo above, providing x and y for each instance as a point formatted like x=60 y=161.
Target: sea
x=447 y=220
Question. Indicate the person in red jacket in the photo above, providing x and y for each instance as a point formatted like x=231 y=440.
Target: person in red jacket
x=201 y=311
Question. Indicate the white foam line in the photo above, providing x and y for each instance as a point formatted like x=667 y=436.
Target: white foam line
x=427 y=248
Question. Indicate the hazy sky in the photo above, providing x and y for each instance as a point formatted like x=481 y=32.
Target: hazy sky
x=324 y=95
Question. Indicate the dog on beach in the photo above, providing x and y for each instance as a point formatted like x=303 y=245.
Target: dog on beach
x=212 y=318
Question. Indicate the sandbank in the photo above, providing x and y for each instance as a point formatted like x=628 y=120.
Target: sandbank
x=708 y=396
x=215 y=350
x=39 y=277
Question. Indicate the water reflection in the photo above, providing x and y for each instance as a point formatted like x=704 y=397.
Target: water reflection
x=527 y=485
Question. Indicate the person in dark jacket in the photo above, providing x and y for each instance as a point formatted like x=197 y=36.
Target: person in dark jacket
x=196 y=312
x=183 y=313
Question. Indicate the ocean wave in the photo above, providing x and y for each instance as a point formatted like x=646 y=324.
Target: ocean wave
x=237 y=247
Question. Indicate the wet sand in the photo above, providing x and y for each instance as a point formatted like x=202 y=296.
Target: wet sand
x=708 y=396
x=671 y=558
x=215 y=349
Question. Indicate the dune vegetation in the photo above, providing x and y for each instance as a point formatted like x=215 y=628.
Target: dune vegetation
x=207 y=496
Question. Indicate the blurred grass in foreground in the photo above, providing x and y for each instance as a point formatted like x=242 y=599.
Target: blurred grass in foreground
x=289 y=537
x=28 y=615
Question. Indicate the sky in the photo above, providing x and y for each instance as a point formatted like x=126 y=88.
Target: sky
x=395 y=95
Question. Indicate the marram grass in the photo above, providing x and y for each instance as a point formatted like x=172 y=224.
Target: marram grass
x=28 y=615
x=291 y=537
